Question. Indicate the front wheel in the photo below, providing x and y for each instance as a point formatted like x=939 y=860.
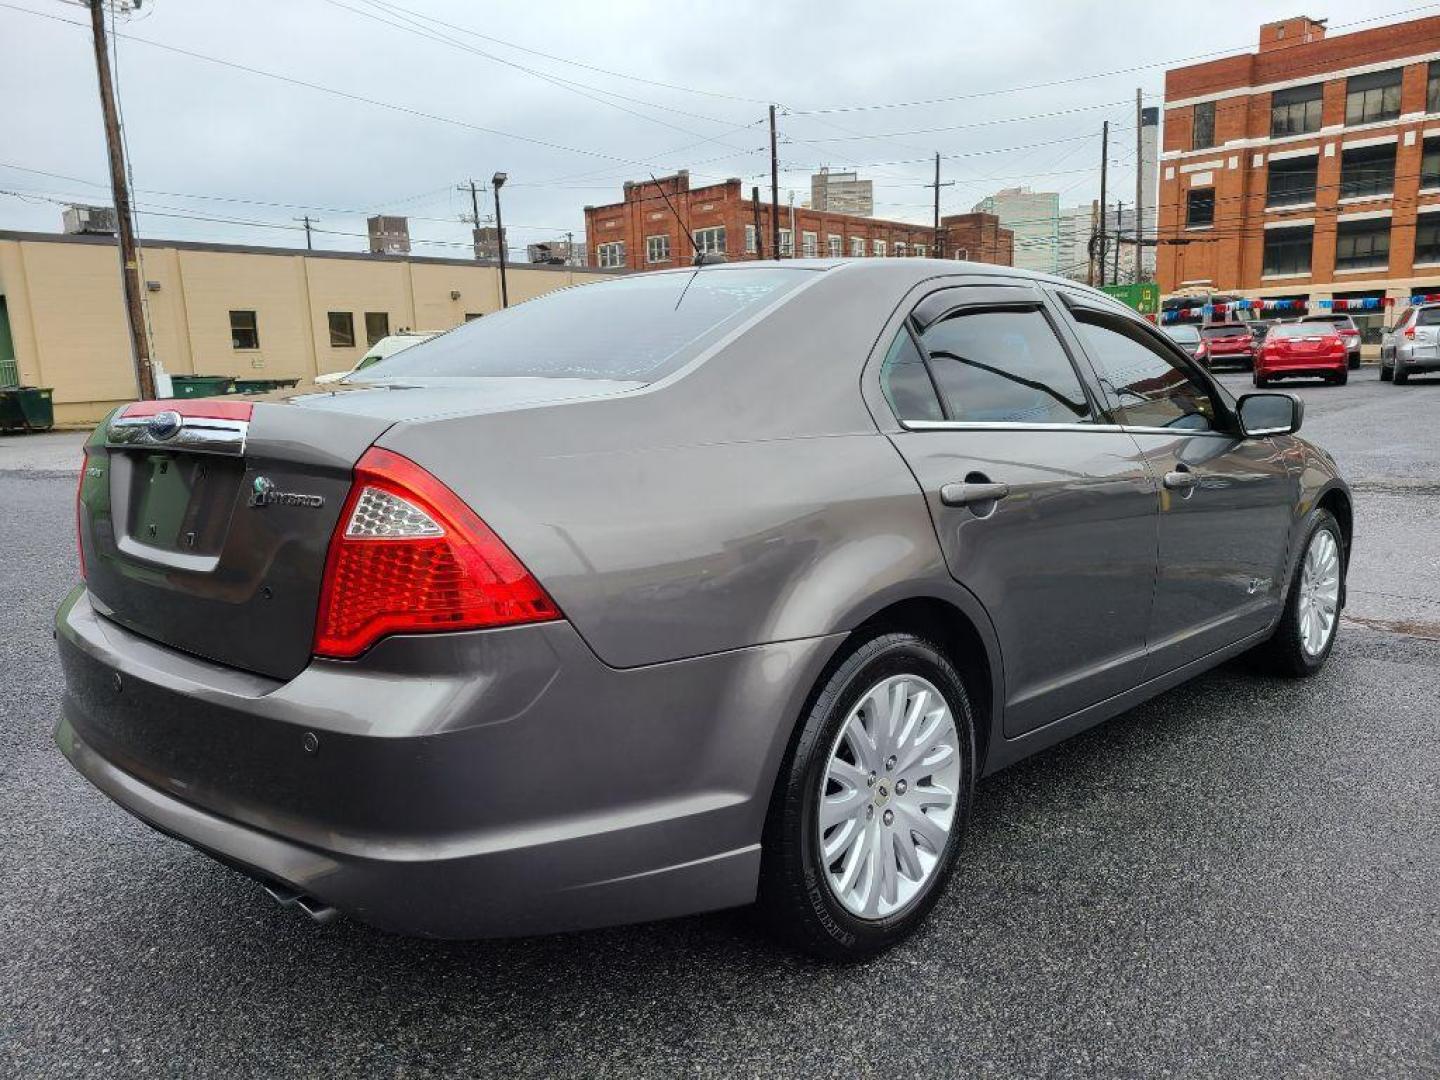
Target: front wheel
x=1303 y=639
x=1259 y=380
x=870 y=808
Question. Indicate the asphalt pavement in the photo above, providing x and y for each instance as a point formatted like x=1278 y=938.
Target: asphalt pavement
x=1239 y=878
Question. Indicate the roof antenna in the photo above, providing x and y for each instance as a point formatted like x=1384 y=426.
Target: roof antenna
x=700 y=258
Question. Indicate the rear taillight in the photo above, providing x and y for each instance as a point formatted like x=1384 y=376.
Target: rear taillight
x=407 y=556
x=1410 y=332
x=79 y=511
x=1200 y=351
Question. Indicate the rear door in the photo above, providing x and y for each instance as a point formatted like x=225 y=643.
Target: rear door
x=1046 y=514
x=1224 y=500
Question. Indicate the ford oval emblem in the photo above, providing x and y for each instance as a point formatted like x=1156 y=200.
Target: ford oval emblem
x=164 y=425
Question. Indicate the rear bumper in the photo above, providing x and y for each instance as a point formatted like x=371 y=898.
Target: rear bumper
x=467 y=785
x=1418 y=358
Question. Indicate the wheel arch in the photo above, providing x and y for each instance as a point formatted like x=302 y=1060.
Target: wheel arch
x=1337 y=500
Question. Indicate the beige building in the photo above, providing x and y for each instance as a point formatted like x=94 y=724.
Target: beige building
x=215 y=309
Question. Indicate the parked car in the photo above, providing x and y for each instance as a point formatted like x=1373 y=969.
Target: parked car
x=386 y=346
x=1306 y=349
x=1187 y=337
x=677 y=591
x=1412 y=347
x=1231 y=343
x=1348 y=331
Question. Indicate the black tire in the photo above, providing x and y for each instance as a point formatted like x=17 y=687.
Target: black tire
x=1342 y=378
x=1282 y=654
x=1260 y=381
x=1401 y=376
x=1354 y=362
x=795 y=899
x=1386 y=373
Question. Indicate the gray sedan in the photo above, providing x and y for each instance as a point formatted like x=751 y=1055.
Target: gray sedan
x=677 y=592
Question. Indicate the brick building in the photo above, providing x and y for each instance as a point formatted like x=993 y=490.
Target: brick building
x=1307 y=170
x=641 y=232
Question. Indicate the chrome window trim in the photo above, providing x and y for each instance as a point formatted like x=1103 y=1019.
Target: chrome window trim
x=1020 y=425
x=198 y=435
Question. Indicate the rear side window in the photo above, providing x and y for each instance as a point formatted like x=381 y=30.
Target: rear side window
x=907 y=384
x=1152 y=389
x=1004 y=366
x=634 y=329
x=1427 y=317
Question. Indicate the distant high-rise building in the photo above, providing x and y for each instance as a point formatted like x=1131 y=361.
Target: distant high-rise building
x=842 y=193
x=1034 y=218
x=1072 y=242
x=389 y=235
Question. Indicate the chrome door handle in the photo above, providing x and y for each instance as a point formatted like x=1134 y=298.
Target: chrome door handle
x=1181 y=480
x=963 y=494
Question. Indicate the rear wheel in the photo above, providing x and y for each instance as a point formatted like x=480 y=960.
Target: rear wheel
x=1259 y=380
x=1401 y=375
x=1342 y=378
x=870 y=808
x=1354 y=362
x=1386 y=372
x=1303 y=639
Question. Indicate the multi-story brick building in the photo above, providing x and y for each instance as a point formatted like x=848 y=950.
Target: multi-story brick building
x=642 y=233
x=1307 y=170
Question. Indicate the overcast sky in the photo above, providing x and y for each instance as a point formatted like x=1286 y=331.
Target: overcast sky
x=210 y=141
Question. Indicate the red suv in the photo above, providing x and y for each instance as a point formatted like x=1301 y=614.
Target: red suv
x=1315 y=349
x=1229 y=344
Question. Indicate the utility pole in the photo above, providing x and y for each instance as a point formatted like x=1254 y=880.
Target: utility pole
x=309 y=221
x=1139 y=185
x=937 y=186
x=496 y=183
x=774 y=188
x=474 y=208
x=569 y=249
x=755 y=212
x=1104 y=171
x=1119 y=216
x=124 y=220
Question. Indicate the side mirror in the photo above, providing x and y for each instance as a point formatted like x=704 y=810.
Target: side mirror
x=1270 y=414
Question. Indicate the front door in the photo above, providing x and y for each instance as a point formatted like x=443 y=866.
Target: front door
x=1044 y=513
x=1224 y=500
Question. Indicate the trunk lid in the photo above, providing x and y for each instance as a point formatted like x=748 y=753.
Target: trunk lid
x=205 y=526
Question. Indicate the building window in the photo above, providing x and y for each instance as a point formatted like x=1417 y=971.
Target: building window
x=1427 y=238
x=609 y=256
x=1296 y=111
x=900 y=249
x=1367 y=171
x=1202 y=126
x=752 y=240
x=657 y=249
x=918 y=251
x=710 y=241
x=1430 y=164
x=877 y=248
x=244 y=333
x=471 y=316
x=835 y=245
x=377 y=326
x=787 y=247
x=1362 y=245
x=342 y=330
x=1374 y=97
x=1432 y=88
x=857 y=247
x=1200 y=208
x=1291 y=181
x=1287 y=251
x=809 y=244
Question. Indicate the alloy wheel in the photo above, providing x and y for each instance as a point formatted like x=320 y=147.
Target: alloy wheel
x=1319 y=596
x=888 y=797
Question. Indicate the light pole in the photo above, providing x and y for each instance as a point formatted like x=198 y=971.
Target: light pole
x=497 y=182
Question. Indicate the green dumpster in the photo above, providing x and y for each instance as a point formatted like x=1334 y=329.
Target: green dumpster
x=262 y=386
x=192 y=386
x=26 y=408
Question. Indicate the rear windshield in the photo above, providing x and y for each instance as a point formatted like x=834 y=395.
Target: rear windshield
x=1295 y=329
x=1227 y=331
x=630 y=329
x=1183 y=333
x=1327 y=318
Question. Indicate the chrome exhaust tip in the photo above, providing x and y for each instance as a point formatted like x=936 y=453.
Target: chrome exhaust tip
x=288 y=897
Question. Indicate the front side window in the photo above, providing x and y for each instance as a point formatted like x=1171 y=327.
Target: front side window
x=1296 y=111
x=1291 y=181
x=1367 y=171
x=342 y=329
x=857 y=247
x=710 y=241
x=1004 y=366
x=906 y=382
x=1427 y=240
x=1149 y=385
x=1373 y=97
x=1364 y=244
x=377 y=326
x=657 y=249
x=1202 y=127
x=244 y=332
x=809 y=245
x=1287 y=251
x=1199 y=208
x=625 y=328
x=610 y=256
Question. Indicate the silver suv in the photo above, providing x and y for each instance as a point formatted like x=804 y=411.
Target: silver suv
x=1412 y=346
